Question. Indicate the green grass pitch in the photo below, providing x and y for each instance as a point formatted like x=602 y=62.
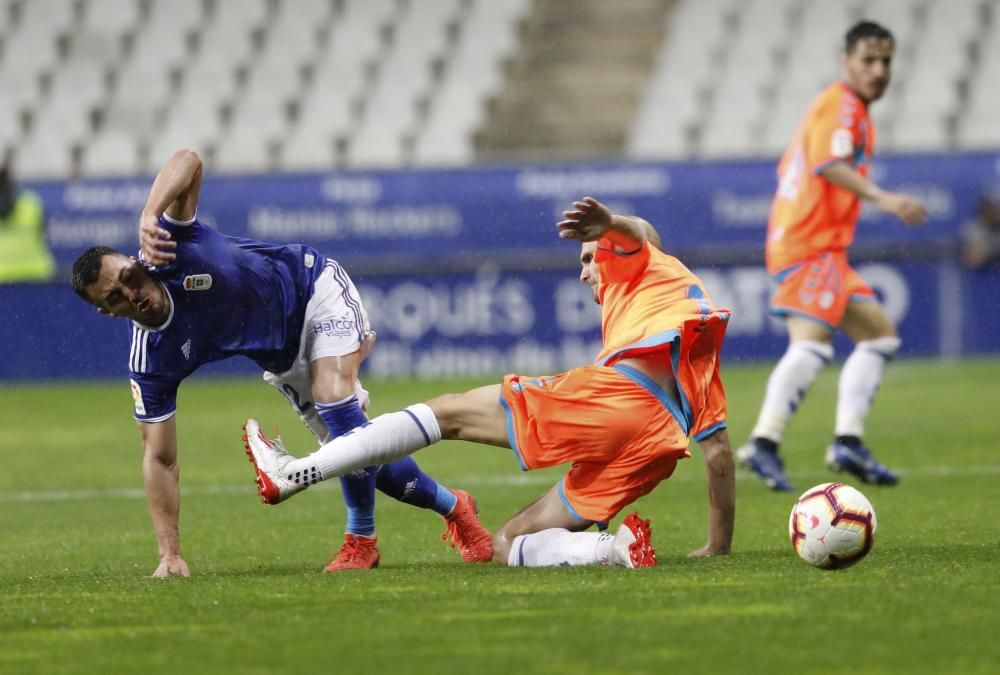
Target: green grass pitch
x=77 y=546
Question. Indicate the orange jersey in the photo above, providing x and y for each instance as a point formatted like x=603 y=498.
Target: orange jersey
x=621 y=430
x=651 y=303
x=809 y=214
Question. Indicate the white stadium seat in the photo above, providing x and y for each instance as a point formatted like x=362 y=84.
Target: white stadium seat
x=44 y=155
x=112 y=153
x=307 y=151
x=313 y=84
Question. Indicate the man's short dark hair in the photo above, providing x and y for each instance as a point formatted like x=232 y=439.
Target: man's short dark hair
x=87 y=268
x=863 y=30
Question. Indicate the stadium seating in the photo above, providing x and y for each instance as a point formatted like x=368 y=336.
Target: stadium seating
x=110 y=87
x=762 y=62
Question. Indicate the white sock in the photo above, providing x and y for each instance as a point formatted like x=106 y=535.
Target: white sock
x=558 y=547
x=383 y=440
x=788 y=384
x=859 y=381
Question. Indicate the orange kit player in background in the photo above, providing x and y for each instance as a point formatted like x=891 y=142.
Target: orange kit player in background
x=822 y=180
x=621 y=423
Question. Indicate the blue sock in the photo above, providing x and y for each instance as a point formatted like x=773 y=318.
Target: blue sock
x=403 y=480
x=359 y=487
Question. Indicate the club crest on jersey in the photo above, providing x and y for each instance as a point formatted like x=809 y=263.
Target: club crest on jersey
x=186 y=350
x=197 y=282
x=140 y=408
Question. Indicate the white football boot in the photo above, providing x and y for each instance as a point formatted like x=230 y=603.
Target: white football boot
x=270 y=458
x=633 y=546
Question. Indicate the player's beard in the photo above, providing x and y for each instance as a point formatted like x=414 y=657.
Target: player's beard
x=877 y=90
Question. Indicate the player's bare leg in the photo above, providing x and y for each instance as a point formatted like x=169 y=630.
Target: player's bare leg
x=866 y=321
x=544 y=513
x=546 y=534
x=475 y=416
x=875 y=343
x=388 y=439
x=401 y=479
x=334 y=393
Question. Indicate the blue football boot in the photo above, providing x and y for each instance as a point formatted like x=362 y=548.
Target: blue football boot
x=858 y=460
x=766 y=464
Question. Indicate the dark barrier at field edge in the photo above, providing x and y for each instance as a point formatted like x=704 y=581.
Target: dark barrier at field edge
x=492 y=322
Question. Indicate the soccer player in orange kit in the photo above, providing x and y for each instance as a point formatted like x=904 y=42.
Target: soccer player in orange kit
x=823 y=176
x=622 y=423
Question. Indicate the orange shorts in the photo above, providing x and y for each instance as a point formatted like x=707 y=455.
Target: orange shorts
x=621 y=436
x=819 y=288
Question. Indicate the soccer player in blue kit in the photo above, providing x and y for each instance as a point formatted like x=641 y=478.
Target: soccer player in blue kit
x=197 y=296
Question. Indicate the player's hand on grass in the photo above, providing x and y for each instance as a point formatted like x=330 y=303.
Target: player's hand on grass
x=172 y=566
x=588 y=222
x=155 y=242
x=904 y=207
x=706 y=551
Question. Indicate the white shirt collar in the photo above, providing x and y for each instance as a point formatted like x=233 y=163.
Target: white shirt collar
x=170 y=317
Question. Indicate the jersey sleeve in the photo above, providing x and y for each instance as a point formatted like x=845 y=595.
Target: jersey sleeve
x=834 y=131
x=703 y=381
x=712 y=415
x=154 y=398
x=617 y=266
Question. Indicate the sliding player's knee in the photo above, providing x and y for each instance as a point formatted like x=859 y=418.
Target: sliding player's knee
x=886 y=346
x=450 y=410
x=502 y=540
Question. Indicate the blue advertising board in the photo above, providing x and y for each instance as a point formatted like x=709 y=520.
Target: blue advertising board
x=445 y=220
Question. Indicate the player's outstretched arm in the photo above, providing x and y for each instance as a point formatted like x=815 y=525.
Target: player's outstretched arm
x=175 y=193
x=160 y=477
x=721 y=473
x=904 y=207
x=591 y=220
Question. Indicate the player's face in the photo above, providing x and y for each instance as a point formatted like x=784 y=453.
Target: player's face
x=125 y=288
x=589 y=274
x=868 y=67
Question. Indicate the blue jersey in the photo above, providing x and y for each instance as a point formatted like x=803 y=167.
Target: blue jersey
x=228 y=296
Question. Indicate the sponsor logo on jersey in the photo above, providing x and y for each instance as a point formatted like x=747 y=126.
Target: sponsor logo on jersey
x=186 y=350
x=197 y=282
x=842 y=143
x=140 y=408
x=336 y=328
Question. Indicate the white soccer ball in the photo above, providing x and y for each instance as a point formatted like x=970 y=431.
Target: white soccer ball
x=832 y=526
